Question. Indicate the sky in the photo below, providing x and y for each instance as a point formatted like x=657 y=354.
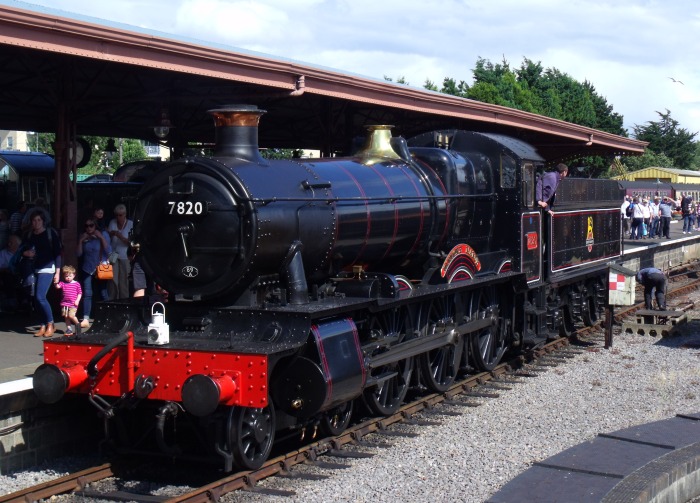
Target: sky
x=630 y=51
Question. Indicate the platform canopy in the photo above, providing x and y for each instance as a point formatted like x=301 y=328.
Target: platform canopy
x=98 y=78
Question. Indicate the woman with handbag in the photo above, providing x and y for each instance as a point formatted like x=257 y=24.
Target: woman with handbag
x=93 y=250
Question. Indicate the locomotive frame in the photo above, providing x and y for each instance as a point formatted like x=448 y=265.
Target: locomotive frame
x=300 y=288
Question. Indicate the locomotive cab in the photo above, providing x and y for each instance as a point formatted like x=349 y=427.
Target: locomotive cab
x=491 y=179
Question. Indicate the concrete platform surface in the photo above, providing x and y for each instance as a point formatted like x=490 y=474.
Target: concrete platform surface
x=657 y=461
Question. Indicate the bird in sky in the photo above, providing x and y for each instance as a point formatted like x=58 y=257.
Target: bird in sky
x=678 y=81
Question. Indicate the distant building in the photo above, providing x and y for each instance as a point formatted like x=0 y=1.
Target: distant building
x=16 y=140
x=662 y=175
x=27 y=141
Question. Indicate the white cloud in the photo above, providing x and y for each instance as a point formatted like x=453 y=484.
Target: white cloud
x=228 y=22
x=627 y=49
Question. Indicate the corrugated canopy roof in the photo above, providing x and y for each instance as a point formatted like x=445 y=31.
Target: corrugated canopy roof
x=28 y=162
x=114 y=80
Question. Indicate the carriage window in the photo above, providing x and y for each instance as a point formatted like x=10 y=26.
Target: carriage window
x=33 y=187
x=508 y=177
x=528 y=173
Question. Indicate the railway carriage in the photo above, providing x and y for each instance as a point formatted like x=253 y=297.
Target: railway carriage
x=298 y=289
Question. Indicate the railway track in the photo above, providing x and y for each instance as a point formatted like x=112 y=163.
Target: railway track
x=66 y=484
x=326 y=453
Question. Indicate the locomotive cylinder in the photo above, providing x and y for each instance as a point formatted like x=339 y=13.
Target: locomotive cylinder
x=306 y=387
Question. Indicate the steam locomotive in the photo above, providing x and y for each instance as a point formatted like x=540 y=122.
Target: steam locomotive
x=298 y=289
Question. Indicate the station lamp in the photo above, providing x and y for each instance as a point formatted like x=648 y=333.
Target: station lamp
x=111 y=149
x=162 y=129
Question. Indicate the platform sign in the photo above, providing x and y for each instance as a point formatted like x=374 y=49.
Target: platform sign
x=621 y=285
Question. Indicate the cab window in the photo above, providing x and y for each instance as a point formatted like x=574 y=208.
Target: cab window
x=508 y=176
x=528 y=177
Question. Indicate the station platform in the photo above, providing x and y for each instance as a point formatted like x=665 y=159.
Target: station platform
x=21 y=352
x=658 y=461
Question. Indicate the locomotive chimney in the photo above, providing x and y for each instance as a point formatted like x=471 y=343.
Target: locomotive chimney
x=378 y=143
x=237 y=132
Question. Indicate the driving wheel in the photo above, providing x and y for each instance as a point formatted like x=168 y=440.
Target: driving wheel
x=393 y=380
x=439 y=367
x=251 y=433
x=489 y=343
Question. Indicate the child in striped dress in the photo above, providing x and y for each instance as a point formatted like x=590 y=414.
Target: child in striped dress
x=72 y=292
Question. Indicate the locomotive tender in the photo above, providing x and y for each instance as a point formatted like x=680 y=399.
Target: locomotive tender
x=297 y=288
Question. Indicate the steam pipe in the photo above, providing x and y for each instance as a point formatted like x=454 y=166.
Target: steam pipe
x=293 y=273
x=169 y=409
x=92 y=365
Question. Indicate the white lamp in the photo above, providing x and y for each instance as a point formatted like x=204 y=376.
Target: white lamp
x=164 y=126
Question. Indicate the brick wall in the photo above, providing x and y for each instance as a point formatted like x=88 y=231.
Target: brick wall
x=31 y=432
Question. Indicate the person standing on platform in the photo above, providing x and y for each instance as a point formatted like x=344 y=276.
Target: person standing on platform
x=98 y=216
x=655 y=218
x=43 y=248
x=691 y=217
x=93 y=248
x=547 y=186
x=686 y=202
x=119 y=229
x=39 y=205
x=666 y=207
x=653 y=279
x=17 y=217
x=625 y=217
x=646 y=211
x=637 y=219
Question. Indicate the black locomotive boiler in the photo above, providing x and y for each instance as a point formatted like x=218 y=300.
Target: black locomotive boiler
x=298 y=288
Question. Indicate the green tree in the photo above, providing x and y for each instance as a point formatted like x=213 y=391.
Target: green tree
x=400 y=80
x=280 y=153
x=499 y=85
x=649 y=159
x=44 y=143
x=450 y=86
x=548 y=92
x=132 y=150
x=543 y=91
x=430 y=85
x=696 y=157
x=666 y=137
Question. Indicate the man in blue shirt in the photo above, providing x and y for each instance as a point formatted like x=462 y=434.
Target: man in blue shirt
x=666 y=208
x=653 y=279
x=547 y=186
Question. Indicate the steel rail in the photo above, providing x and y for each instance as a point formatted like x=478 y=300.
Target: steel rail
x=66 y=484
